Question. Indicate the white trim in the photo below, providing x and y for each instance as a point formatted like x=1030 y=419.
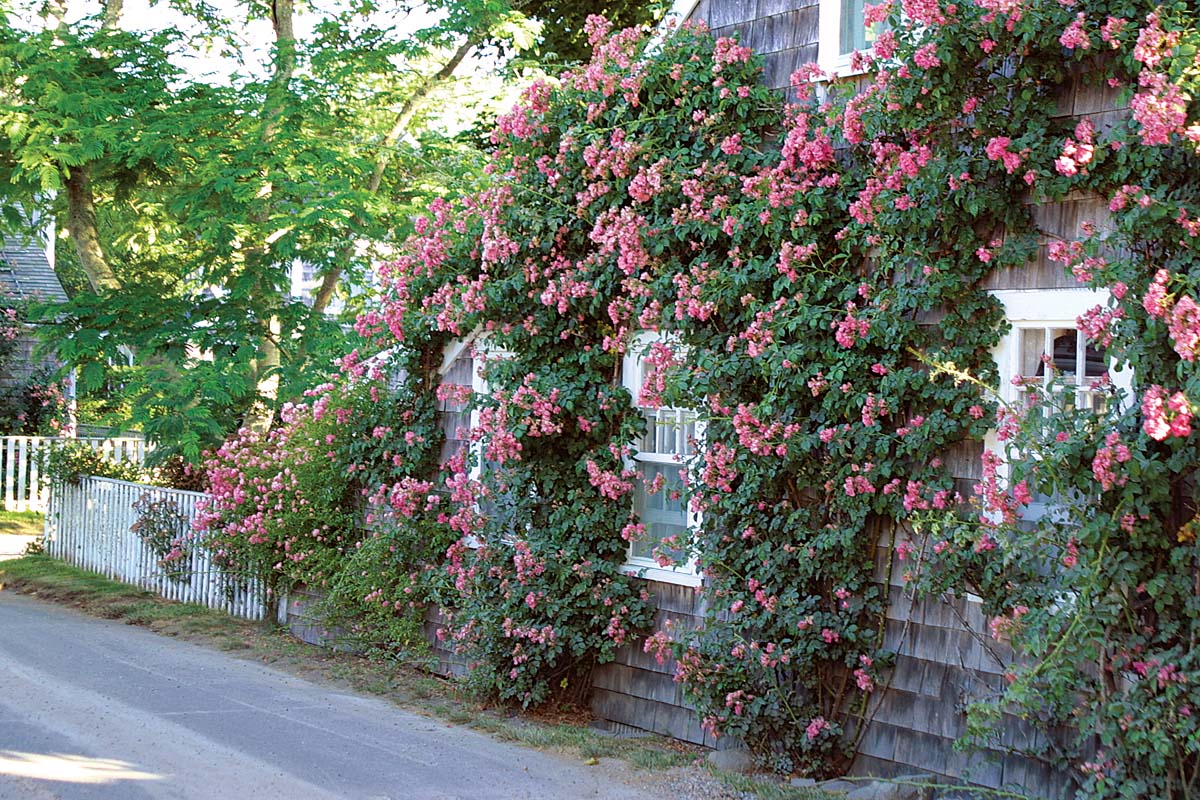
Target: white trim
x=829 y=41
x=681 y=11
x=1043 y=305
x=452 y=351
x=1040 y=309
x=653 y=572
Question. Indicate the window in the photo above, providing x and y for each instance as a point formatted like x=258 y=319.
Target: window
x=1044 y=343
x=842 y=31
x=1043 y=352
x=458 y=376
x=658 y=496
x=461 y=377
x=1044 y=333
x=658 y=491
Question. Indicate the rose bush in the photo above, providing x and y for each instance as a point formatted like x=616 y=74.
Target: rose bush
x=816 y=272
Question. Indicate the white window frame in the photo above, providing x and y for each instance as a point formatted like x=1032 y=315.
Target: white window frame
x=477 y=348
x=451 y=353
x=632 y=377
x=829 y=41
x=1032 y=310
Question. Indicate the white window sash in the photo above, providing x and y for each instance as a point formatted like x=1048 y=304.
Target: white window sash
x=632 y=377
x=1044 y=310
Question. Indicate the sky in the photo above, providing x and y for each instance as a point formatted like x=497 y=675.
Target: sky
x=254 y=35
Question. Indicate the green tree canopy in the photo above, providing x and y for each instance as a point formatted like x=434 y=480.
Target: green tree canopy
x=189 y=198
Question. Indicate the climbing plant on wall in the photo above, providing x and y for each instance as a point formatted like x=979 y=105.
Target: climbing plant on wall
x=814 y=271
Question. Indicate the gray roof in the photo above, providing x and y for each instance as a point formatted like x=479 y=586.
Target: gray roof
x=26 y=273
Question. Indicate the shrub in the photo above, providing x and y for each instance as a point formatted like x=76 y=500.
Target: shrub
x=69 y=460
x=293 y=507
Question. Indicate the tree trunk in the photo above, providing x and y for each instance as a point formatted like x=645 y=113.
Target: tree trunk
x=112 y=14
x=266 y=366
x=81 y=225
x=81 y=205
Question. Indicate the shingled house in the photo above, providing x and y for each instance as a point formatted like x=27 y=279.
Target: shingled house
x=945 y=657
x=27 y=274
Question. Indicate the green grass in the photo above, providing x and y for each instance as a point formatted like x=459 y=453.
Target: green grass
x=22 y=523
x=50 y=579
x=404 y=686
x=771 y=791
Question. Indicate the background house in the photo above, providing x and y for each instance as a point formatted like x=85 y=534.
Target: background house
x=27 y=275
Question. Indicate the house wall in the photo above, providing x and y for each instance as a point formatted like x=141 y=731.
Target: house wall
x=637 y=691
x=945 y=657
x=782 y=32
x=22 y=365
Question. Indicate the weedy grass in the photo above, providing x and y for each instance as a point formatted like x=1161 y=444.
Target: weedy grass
x=22 y=523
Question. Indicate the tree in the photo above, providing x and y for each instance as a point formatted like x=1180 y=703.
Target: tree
x=188 y=199
x=563 y=38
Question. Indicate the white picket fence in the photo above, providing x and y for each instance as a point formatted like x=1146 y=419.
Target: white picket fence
x=88 y=525
x=22 y=489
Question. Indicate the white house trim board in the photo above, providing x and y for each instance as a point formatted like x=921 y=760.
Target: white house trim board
x=680 y=11
x=453 y=350
x=830 y=57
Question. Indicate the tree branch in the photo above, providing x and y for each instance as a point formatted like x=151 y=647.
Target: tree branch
x=404 y=116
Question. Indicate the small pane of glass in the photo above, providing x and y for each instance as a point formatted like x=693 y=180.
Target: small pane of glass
x=853 y=33
x=658 y=502
x=1070 y=355
x=669 y=432
x=455 y=418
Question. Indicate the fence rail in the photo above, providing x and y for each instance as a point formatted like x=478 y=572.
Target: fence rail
x=89 y=525
x=23 y=490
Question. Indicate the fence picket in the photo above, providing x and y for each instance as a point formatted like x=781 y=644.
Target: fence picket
x=23 y=489
x=10 y=451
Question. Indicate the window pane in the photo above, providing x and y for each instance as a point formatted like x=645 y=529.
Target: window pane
x=669 y=432
x=1075 y=360
x=853 y=33
x=1064 y=354
x=658 y=502
x=1033 y=347
x=455 y=418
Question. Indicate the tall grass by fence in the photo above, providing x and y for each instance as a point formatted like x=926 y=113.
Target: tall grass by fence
x=23 y=490
x=89 y=525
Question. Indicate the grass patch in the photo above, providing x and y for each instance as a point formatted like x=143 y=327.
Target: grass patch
x=766 y=790
x=561 y=731
x=53 y=580
x=50 y=579
x=22 y=523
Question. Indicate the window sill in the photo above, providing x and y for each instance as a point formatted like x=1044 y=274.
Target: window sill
x=662 y=574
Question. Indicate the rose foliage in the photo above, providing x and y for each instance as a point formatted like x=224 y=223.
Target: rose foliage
x=299 y=505
x=815 y=272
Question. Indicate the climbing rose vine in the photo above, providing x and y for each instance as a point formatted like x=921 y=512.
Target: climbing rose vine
x=812 y=276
